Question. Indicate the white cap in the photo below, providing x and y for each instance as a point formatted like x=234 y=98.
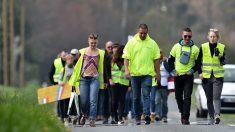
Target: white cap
x=74 y=51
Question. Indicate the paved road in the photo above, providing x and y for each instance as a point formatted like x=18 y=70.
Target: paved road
x=173 y=125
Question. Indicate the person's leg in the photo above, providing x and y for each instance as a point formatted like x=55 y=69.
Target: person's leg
x=100 y=106
x=188 y=87
x=208 y=88
x=94 y=90
x=136 y=98
x=123 y=90
x=158 y=105
x=179 y=93
x=106 y=106
x=152 y=99
x=146 y=84
x=84 y=99
x=114 y=106
x=165 y=94
x=127 y=104
x=217 y=89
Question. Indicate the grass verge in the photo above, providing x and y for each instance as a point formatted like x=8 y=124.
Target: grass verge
x=19 y=112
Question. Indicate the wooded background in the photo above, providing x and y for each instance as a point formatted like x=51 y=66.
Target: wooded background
x=55 y=25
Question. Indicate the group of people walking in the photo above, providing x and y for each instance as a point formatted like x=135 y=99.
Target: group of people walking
x=105 y=79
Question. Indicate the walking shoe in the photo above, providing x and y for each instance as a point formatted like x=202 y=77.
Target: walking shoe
x=142 y=117
x=138 y=122
x=211 y=121
x=164 y=119
x=152 y=116
x=147 y=120
x=113 y=122
x=66 y=121
x=185 y=121
x=106 y=121
x=120 y=122
x=157 y=118
x=92 y=123
x=217 y=119
x=83 y=120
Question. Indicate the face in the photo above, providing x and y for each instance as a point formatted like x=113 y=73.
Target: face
x=115 y=50
x=212 y=37
x=63 y=55
x=93 y=43
x=108 y=47
x=143 y=33
x=69 y=59
x=186 y=36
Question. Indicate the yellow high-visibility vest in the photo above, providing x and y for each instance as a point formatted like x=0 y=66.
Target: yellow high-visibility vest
x=58 y=66
x=212 y=63
x=118 y=76
x=75 y=78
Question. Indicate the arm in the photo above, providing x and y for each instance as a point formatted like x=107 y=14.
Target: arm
x=222 y=58
x=126 y=64
x=51 y=74
x=157 y=70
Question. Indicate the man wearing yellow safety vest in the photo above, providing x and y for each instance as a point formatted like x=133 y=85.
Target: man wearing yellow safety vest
x=141 y=55
x=211 y=60
x=56 y=67
x=183 y=62
x=88 y=75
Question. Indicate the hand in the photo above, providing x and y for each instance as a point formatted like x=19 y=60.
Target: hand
x=188 y=73
x=158 y=79
x=129 y=89
x=111 y=82
x=127 y=74
x=201 y=76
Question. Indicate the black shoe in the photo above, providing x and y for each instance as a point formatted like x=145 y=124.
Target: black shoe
x=137 y=122
x=157 y=118
x=113 y=122
x=185 y=121
x=106 y=121
x=147 y=120
x=217 y=120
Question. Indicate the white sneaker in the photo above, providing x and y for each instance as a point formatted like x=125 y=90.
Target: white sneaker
x=66 y=122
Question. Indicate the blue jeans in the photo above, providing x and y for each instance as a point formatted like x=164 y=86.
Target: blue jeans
x=144 y=82
x=129 y=104
x=161 y=102
x=89 y=89
x=152 y=99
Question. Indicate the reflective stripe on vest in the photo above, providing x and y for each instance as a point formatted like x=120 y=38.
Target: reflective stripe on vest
x=75 y=78
x=210 y=63
x=118 y=76
x=58 y=67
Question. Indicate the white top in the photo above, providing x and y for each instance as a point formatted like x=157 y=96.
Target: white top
x=164 y=75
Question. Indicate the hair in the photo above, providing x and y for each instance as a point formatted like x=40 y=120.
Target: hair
x=187 y=29
x=117 y=56
x=93 y=36
x=143 y=26
x=214 y=30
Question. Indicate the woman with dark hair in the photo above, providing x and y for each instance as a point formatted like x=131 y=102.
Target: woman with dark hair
x=119 y=84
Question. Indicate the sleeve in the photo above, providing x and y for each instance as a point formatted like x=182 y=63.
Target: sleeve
x=222 y=59
x=51 y=74
x=199 y=61
x=195 y=67
x=173 y=51
x=126 y=51
x=106 y=59
x=171 y=63
x=157 y=52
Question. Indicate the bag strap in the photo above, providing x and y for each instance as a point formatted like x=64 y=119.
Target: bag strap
x=182 y=47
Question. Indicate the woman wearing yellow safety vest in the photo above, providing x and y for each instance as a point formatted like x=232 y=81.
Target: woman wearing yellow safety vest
x=89 y=76
x=119 y=84
x=211 y=60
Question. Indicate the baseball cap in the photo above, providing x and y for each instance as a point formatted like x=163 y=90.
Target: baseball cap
x=74 y=51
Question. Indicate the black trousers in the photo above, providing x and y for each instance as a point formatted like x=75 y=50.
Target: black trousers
x=118 y=93
x=63 y=108
x=107 y=102
x=183 y=92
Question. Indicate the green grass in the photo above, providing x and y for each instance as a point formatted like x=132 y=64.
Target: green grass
x=19 y=112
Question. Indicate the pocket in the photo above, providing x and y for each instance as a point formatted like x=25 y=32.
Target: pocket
x=184 y=57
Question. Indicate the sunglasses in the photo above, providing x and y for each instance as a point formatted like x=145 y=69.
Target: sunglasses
x=187 y=36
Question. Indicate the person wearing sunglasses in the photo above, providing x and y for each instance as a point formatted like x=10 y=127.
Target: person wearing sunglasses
x=211 y=71
x=89 y=76
x=183 y=64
